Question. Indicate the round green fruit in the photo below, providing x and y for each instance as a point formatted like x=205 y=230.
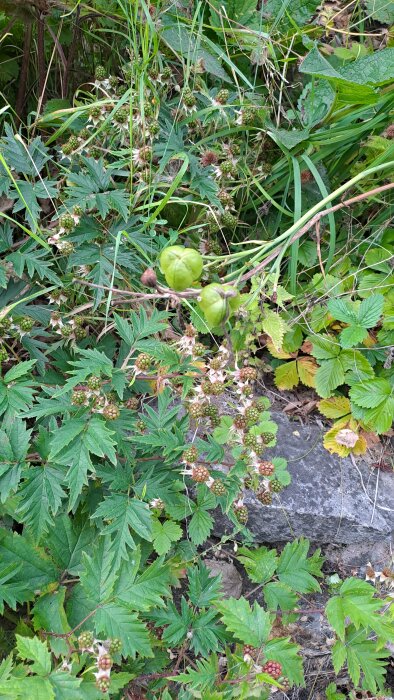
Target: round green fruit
x=181 y=266
x=218 y=302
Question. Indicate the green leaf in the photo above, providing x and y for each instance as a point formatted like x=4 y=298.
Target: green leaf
x=32 y=649
x=203 y=678
x=146 y=590
x=116 y=621
x=32 y=687
x=329 y=375
x=374 y=69
x=294 y=568
x=36 y=572
x=19 y=370
x=204 y=588
x=285 y=13
x=66 y=686
x=249 y=624
x=279 y=595
x=67 y=540
x=40 y=496
x=164 y=534
x=352 y=335
x=324 y=347
x=361 y=655
x=14 y=444
x=12 y=589
x=380 y=10
x=274 y=325
x=49 y=615
x=240 y=11
x=123 y=515
x=66 y=434
x=371 y=393
x=342 y=310
x=222 y=433
x=371 y=310
x=200 y=526
x=356 y=601
x=260 y=564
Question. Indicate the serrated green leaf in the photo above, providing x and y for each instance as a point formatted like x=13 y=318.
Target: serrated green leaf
x=294 y=568
x=164 y=534
x=12 y=589
x=41 y=496
x=66 y=686
x=279 y=595
x=352 y=335
x=260 y=564
x=361 y=655
x=329 y=376
x=342 y=310
x=371 y=393
x=370 y=310
x=32 y=649
x=380 y=10
x=123 y=515
x=67 y=540
x=200 y=526
x=49 y=615
x=204 y=588
x=19 y=370
x=324 y=347
x=287 y=654
x=274 y=326
x=37 y=571
x=251 y=625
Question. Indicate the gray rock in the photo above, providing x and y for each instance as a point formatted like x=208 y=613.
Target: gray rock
x=231 y=583
x=352 y=559
x=326 y=501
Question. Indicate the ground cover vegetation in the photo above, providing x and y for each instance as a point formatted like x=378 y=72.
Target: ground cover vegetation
x=195 y=196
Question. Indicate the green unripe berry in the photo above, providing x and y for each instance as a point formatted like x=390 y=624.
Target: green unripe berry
x=26 y=324
x=218 y=488
x=115 y=646
x=78 y=398
x=3 y=354
x=94 y=383
x=100 y=73
x=228 y=220
x=276 y=486
x=222 y=96
x=85 y=640
x=111 y=412
x=190 y=454
x=241 y=513
x=67 y=222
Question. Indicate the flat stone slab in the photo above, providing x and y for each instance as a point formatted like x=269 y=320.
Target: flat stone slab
x=326 y=501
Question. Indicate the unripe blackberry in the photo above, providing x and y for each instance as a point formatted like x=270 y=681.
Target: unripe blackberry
x=85 y=640
x=79 y=320
x=103 y=683
x=240 y=422
x=26 y=324
x=104 y=662
x=94 y=383
x=213 y=246
x=217 y=388
x=267 y=437
x=66 y=331
x=115 y=646
x=166 y=73
x=248 y=481
x=273 y=668
x=222 y=96
x=215 y=421
x=188 y=98
x=95 y=112
x=248 y=374
x=247 y=115
x=78 y=398
x=227 y=167
x=67 y=149
x=228 y=220
x=250 y=440
x=133 y=403
x=190 y=331
x=225 y=198
x=77 y=211
x=80 y=332
x=241 y=513
x=211 y=411
x=154 y=128
x=276 y=486
x=235 y=148
x=5 y=324
x=95 y=152
x=111 y=411
x=199 y=349
x=195 y=411
x=200 y=474
x=73 y=143
x=213 y=223
x=264 y=497
x=143 y=361
x=218 y=488
x=140 y=425
x=190 y=454
x=259 y=448
x=266 y=468
x=285 y=683
x=100 y=73
x=252 y=414
x=3 y=354
x=216 y=362
x=84 y=134
x=113 y=81
x=65 y=247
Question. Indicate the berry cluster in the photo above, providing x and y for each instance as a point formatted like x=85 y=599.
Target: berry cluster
x=102 y=652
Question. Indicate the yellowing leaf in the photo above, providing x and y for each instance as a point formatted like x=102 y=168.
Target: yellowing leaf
x=334 y=407
x=278 y=353
x=275 y=327
x=286 y=376
x=307 y=368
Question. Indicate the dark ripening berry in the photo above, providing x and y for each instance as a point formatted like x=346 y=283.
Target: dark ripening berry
x=241 y=513
x=200 y=474
x=190 y=455
x=143 y=361
x=85 y=640
x=276 y=486
x=248 y=374
x=273 y=668
x=249 y=650
x=267 y=437
x=132 y=403
x=218 y=488
x=208 y=158
x=148 y=278
x=103 y=683
x=111 y=412
x=266 y=468
x=195 y=411
x=264 y=497
x=104 y=662
x=240 y=422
